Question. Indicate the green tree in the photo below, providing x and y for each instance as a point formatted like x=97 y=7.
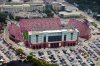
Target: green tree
x=3 y=17
x=50 y=14
x=19 y=51
x=94 y=24
x=31 y=54
x=17 y=18
x=11 y=16
x=25 y=34
x=35 y=62
x=53 y=64
x=26 y=17
x=48 y=11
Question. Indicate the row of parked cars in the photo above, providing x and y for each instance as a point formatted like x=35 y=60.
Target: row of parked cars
x=80 y=55
x=61 y=58
x=9 y=53
x=1 y=59
x=91 y=53
x=87 y=55
x=95 y=48
x=64 y=57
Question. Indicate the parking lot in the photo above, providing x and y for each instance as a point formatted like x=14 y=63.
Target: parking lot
x=80 y=55
x=6 y=53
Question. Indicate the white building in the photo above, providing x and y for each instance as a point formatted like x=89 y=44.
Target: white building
x=37 y=1
x=50 y=1
x=13 y=8
x=56 y=6
x=17 y=1
x=69 y=14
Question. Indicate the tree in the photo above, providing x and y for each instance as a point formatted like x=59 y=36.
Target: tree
x=11 y=16
x=94 y=5
x=94 y=24
x=29 y=58
x=48 y=11
x=17 y=18
x=35 y=62
x=31 y=54
x=19 y=51
x=25 y=34
x=3 y=17
x=53 y=65
x=50 y=14
x=26 y=17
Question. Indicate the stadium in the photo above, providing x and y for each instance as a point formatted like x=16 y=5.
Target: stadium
x=47 y=33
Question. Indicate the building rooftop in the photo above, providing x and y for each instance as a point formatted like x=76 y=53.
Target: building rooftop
x=69 y=13
x=48 y=25
x=15 y=31
x=39 y=24
x=82 y=26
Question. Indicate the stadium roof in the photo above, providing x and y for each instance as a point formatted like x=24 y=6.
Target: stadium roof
x=83 y=27
x=39 y=24
x=15 y=31
x=26 y=25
